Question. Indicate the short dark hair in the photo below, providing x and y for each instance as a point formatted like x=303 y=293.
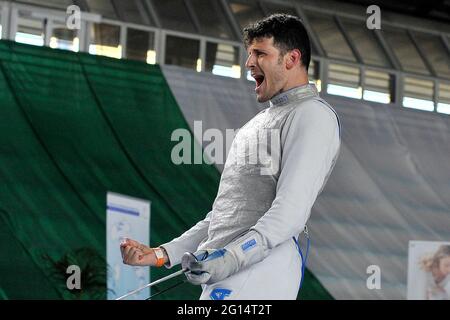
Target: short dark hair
x=288 y=33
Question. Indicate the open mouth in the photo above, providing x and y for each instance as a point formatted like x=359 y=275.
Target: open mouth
x=259 y=80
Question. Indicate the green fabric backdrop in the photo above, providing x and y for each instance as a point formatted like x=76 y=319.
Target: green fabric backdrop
x=72 y=127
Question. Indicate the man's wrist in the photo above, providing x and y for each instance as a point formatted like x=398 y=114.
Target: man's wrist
x=165 y=255
x=159 y=254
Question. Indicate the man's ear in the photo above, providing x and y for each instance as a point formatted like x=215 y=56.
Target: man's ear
x=293 y=58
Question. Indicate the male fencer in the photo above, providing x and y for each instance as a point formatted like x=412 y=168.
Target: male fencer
x=246 y=247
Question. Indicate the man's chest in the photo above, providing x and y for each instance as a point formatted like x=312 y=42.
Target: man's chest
x=257 y=145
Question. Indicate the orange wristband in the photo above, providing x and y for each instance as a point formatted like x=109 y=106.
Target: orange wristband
x=159 y=257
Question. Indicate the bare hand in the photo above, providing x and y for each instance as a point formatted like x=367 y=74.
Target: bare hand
x=137 y=254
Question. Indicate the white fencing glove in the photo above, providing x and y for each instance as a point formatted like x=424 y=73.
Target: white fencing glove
x=212 y=265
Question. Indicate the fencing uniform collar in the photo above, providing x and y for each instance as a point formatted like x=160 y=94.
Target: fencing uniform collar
x=294 y=94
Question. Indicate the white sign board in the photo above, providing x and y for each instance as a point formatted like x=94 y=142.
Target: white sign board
x=428 y=270
x=126 y=217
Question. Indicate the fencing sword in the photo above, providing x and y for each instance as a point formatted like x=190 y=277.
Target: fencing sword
x=170 y=276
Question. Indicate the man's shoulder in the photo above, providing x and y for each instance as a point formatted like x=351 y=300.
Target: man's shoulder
x=314 y=107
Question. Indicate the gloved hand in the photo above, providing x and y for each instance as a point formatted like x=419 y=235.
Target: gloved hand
x=212 y=265
x=208 y=266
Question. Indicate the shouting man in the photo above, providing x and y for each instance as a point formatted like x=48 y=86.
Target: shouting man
x=246 y=247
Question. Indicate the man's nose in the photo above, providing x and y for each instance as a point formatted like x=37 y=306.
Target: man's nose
x=250 y=62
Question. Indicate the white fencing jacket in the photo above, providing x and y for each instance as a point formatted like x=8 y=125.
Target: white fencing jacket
x=278 y=164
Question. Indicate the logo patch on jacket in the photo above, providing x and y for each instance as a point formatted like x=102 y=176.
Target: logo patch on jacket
x=219 y=294
x=248 y=245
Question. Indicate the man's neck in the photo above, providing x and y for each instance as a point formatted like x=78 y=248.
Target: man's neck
x=299 y=79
